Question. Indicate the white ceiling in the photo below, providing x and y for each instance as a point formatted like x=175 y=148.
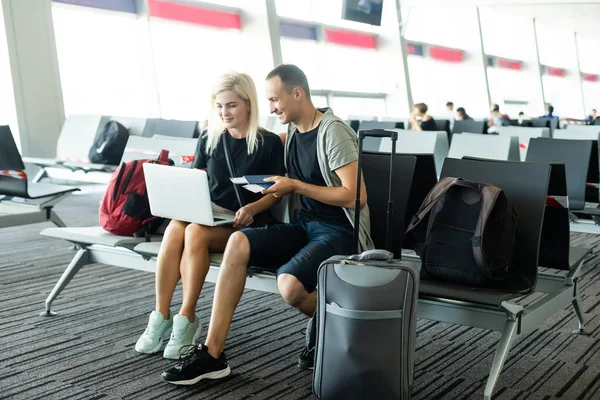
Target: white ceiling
x=573 y=15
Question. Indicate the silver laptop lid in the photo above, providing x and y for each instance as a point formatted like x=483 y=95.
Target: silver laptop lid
x=179 y=193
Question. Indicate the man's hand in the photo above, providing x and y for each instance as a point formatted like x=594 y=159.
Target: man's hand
x=281 y=187
x=244 y=217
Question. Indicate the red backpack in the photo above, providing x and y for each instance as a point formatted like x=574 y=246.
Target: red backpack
x=125 y=210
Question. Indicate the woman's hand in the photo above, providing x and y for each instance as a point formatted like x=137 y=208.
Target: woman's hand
x=244 y=217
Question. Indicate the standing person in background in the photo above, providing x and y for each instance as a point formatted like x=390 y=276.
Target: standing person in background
x=420 y=120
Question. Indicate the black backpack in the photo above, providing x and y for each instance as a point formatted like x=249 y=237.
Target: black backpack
x=471 y=234
x=109 y=144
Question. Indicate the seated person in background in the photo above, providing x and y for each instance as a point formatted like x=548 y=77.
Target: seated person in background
x=549 y=115
x=591 y=119
x=321 y=159
x=496 y=119
x=461 y=114
x=420 y=120
x=524 y=120
x=184 y=252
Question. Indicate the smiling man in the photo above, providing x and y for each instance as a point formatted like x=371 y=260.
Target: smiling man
x=321 y=154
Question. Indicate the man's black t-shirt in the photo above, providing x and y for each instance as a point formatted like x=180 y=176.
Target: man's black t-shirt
x=267 y=159
x=304 y=166
x=428 y=125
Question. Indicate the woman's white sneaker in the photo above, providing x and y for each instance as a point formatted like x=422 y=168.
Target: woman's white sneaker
x=151 y=340
x=184 y=333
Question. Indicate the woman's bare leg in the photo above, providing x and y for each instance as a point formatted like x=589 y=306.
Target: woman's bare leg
x=167 y=265
x=200 y=240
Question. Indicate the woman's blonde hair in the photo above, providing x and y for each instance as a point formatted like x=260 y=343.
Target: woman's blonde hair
x=243 y=85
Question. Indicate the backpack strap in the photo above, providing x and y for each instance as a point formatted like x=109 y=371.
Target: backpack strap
x=489 y=196
x=432 y=198
x=163 y=158
x=231 y=170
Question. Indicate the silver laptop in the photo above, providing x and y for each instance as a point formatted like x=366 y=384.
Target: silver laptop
x=181 y=194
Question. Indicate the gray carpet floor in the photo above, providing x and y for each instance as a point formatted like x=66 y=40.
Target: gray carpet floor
x=86 y=351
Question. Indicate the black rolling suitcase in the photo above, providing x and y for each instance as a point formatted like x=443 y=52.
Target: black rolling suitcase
x=366 y=312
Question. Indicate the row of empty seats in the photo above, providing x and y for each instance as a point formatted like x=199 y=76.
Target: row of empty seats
x=78 y=134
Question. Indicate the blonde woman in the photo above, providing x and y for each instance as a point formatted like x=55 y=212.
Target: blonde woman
x=184 y=252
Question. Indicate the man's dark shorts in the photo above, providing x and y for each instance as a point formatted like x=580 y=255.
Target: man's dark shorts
x=297 y=248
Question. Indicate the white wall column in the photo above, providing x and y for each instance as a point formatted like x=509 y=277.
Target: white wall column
x=260 y=42
x=8 y=112
x=538 y=68
x=35 y=77
x=274 y=34
x=579 y=75
x=483 y=60
x=149 y=70
x=392 y=42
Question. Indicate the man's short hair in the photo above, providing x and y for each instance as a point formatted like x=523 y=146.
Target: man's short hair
x=449 y=104
x=550 y=109
x=422 y=107
x=521 y=113
x=291 y=76
x=495 y=107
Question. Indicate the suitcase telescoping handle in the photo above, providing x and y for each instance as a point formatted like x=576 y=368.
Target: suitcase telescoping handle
x=380 y=133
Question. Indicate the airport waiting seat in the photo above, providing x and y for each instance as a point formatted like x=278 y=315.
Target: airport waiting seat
x=499 y=309
x=98 y=246
x=78 y=134
x=551 y=123
x=74 y=142
x=577 y=135
x=484 y=146
x=584 y=129
x=76 y=137
x=412 y=142
x=376 y=170
x=354 y=124
x=367 y=125
x=444 y=125
x=580 y=158
x=171 y=127
x=23 y=202
x=469 y=126
x=524 y=134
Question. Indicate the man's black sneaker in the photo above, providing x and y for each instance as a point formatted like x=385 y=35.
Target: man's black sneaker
x=196 y=364
x=307 y=358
